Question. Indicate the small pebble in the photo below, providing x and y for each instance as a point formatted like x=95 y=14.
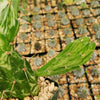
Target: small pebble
x=91 y=78
x=51 y=87
x=41 y=98
x=43 y=84
x=42 y=79
x=47 y=82
x=36 y=98
x=50 y=94
x=27 y=98
x=47 y=88
x=65 y=96
x=45 y=96
x=55 y=88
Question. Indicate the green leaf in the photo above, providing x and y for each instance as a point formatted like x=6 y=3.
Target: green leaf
x=3 y=4
x=12 y=32
x=15 y=4
x=11 y=69
x=75 y=54
x=4 y=43
x=8 y=18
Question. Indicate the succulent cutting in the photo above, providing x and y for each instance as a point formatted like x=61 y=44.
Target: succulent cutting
x=51 y=53
x=79 y=21
x=49 y=16
x=82 y=30
x=37 y=46
x=95 y=72
x=51 y=33
x=25 y=26
x=68 y=40
x=65 y=21
x=21 y=48
x=37 y=61
x=36 y=17
x=98 y=36
x=37 y=24
x=93 y=57
x=47 y=8
x=96 y=27
x=36 y=9
x=94 y=3
x=86 y=12
x=67 y=31
x=23 y=36
x=82 y=92
x=97 y=11
x=38 y=34
x=79 y=72
x=75 y=12
x=61 y=14
x=50 y=23
x=52 y=43
x=91 y=20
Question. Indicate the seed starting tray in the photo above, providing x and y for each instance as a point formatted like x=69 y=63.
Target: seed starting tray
x=67 y=81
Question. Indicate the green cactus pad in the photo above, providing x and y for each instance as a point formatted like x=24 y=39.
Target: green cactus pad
x=16 y=77
x=69 y=58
